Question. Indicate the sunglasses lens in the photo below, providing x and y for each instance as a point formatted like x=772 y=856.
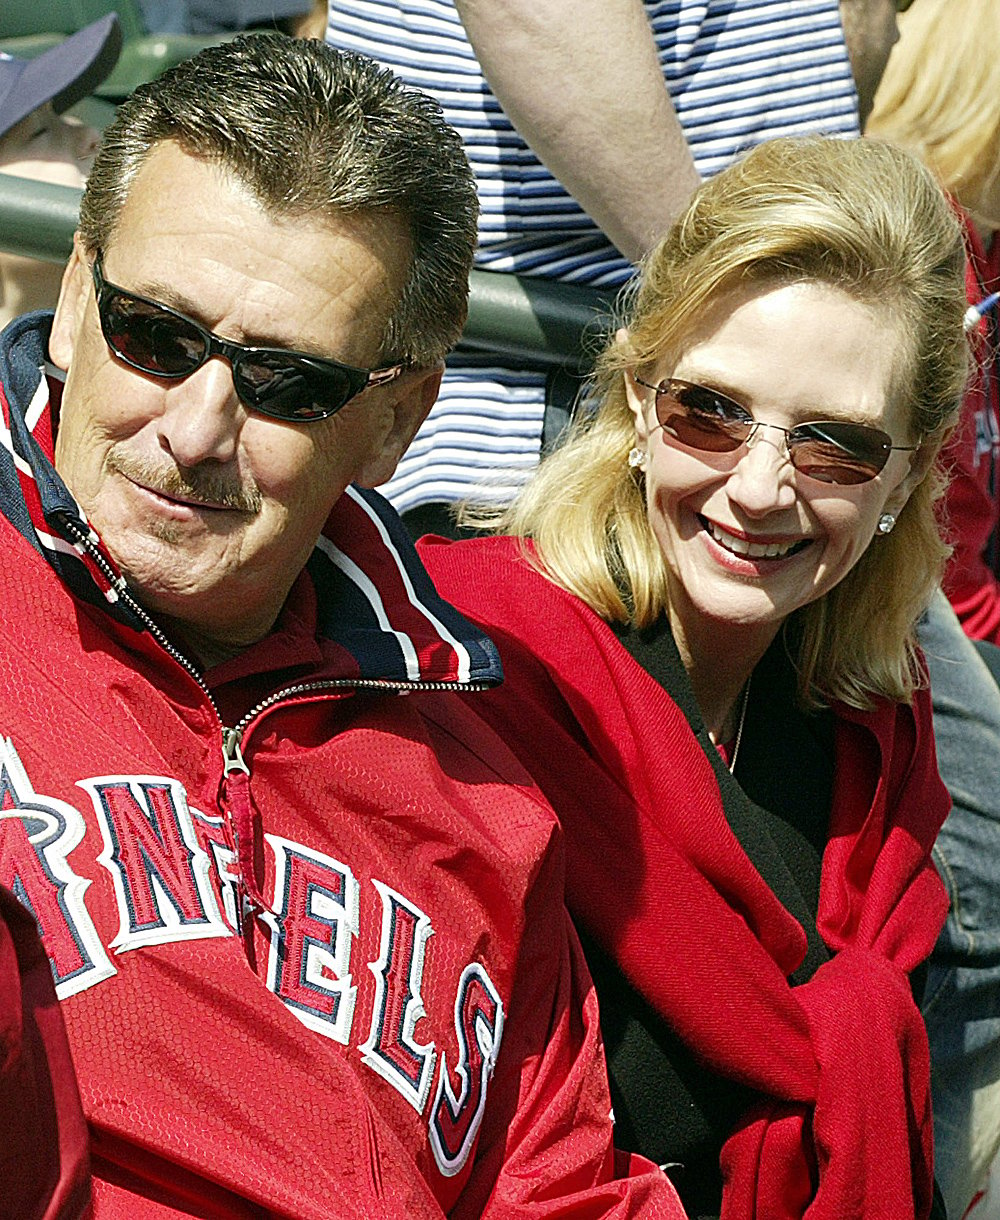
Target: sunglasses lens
x=293 y=388
x=839 y=453
x=283 y=385
x=701 y=418
x=146 y=336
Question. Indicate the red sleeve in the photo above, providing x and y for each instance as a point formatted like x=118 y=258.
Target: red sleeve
x=44 y=1170
x=548 y=1151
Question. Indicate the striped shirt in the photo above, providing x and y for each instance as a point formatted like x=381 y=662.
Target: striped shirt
x=738 y=71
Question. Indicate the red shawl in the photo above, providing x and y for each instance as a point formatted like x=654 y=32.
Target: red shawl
x=658 y=878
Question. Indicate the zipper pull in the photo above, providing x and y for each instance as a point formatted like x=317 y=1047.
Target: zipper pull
x=234 y=794
x=232 y=757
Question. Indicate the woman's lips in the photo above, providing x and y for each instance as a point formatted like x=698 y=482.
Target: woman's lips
x=756 y=548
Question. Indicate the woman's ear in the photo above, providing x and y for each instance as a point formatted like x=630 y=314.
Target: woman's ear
x=920 y=463
x=73 y=296
x=637 y=396
x=638 y=401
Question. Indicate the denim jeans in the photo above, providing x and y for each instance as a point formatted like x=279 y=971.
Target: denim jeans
x=962 y=997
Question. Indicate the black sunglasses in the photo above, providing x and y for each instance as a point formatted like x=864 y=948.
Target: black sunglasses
x=830 y=451
x=163 y=342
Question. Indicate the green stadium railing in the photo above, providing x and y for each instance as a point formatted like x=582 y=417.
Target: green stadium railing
x=529 y=321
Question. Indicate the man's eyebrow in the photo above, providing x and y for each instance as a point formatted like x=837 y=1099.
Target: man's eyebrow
x=164 y=294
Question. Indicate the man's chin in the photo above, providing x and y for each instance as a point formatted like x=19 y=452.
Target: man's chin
x=167 y=532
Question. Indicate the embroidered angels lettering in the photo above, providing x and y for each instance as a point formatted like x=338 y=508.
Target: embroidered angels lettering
x=392 y=1049
x=174 y=877
x=37 y=835
x=159 y=870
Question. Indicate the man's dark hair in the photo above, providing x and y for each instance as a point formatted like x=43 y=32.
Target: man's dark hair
x=313 y=132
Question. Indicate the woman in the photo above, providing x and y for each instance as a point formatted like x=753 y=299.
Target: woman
x=711 y=671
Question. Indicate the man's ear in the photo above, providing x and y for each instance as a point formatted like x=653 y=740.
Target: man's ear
x=73 y=297
x=413 y=396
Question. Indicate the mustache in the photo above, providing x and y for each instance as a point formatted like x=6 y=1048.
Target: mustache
x=202 y=484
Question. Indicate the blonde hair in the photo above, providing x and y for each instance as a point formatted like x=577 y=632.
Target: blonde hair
x=940 y=94
x=863 y=216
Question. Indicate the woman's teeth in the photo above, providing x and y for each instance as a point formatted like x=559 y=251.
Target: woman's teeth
x=752 y=550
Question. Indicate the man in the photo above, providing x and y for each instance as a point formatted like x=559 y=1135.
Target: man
x=308 y=936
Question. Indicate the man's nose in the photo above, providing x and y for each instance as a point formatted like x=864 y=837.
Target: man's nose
x=202 y=417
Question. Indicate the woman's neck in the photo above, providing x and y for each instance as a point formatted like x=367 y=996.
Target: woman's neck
x=719 y=658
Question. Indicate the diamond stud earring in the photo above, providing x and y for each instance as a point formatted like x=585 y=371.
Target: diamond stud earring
x=886 y=523
x=637 y=458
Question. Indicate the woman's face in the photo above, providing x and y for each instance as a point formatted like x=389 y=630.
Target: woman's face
x=788 y=354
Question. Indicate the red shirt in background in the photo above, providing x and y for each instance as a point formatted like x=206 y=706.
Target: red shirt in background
x=972 y=504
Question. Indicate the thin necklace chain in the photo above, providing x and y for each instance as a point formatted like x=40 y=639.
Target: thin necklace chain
x=739 y=727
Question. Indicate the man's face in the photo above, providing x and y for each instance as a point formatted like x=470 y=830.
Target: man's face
x=210 y=510
x=870 y=31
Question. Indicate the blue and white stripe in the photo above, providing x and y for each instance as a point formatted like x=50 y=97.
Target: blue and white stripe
x=739 y=71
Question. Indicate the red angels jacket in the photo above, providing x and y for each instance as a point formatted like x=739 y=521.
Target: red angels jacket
x=44 y=1164
x=311 y=953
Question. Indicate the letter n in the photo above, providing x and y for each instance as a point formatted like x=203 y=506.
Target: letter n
x=160 y=872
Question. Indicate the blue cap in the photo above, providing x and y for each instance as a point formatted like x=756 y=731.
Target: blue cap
x=62 y=75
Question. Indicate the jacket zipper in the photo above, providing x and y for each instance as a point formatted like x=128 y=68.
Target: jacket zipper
x=232 y=738
x=235 y=771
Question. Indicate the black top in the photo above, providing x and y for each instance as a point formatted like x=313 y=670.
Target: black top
x=667 y=1106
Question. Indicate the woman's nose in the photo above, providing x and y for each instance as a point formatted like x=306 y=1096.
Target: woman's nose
x=762 y=480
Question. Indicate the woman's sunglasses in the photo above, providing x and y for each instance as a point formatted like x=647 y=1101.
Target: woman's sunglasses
x=830 y=451
x=163 y=342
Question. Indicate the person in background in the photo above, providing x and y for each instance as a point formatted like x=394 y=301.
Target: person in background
x=870 y=30
x=39 y=140
x=707 y=613
x=577 y=182
x=309 y=938
x=309 y=25
x=940 y=97
x=222 y=16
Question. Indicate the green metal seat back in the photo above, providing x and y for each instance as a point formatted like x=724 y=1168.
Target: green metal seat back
x=19 y=18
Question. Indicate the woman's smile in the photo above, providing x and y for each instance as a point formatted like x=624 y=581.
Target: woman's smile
x=752 y=547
